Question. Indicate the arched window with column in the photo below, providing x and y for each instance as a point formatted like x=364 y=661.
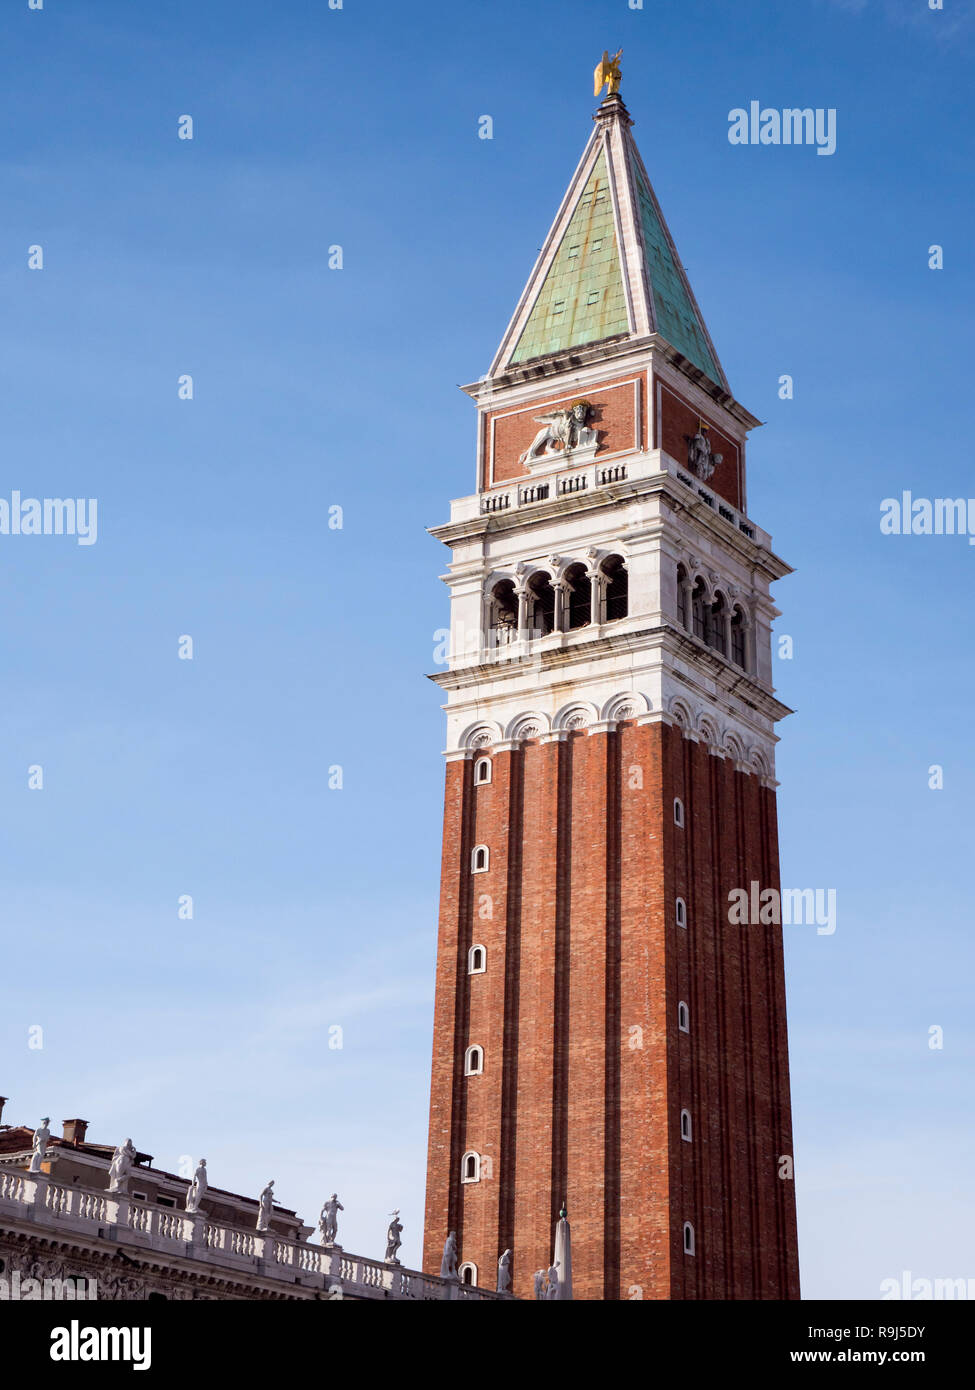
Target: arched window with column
x=578 y=598
x=541 y=597
x=470 y=1167
x=503 y=616
x=738 y=638
x=699 y=609
x=717 y=618
x=467 y=1274
x=616 y=601
x=682 y=596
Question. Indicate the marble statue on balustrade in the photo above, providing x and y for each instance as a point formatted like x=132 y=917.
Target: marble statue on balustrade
x=393 y=1242
x=504 y=1273
x=538 y=1283
x=120 y=1166
x=38 y=1151
x=265 y=1203
x=448 y=1265
x=553 y=1282
x=198 y=1187
x=328 y=1221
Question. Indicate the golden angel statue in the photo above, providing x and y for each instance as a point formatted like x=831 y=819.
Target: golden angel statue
x=607 y=74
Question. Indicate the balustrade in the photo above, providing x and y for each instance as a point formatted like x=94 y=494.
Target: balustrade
x=48 y=1202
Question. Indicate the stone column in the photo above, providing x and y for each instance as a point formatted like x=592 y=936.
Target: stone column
x=596 y=597
x=687 y=584
x=522 y=592
x=560 y=617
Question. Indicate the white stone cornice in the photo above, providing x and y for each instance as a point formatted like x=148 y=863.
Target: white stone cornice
x=654 y=716
x=548 y=664
x=580 y=365
x=584 y=367
x=733 y=420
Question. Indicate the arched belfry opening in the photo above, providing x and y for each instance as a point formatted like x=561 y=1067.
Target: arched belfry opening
x=579 y=590
x=617 y=600
x=542 y=598
x=503 y=615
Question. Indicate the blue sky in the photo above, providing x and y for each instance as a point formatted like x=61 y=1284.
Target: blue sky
x=316 y=387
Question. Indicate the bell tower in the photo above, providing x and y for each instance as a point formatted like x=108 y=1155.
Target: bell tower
x=603 y=1035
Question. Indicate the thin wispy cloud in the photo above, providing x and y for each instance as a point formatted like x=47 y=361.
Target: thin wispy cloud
x=956 y=17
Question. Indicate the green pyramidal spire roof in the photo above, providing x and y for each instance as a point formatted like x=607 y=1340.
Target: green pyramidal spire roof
x=609 y=267
x=581 y=299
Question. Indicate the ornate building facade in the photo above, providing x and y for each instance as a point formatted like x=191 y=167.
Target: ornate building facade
x=65 y=1234
x=603 y=1036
